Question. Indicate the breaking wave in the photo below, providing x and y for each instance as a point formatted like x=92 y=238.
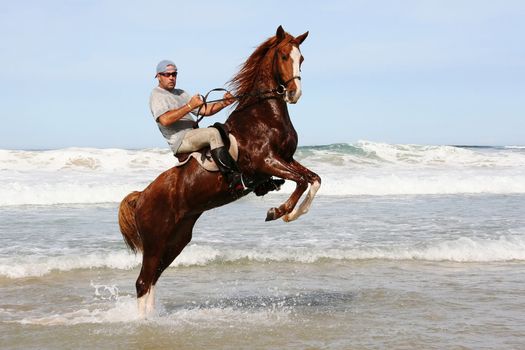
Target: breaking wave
x=462 y=250
x=89 y=175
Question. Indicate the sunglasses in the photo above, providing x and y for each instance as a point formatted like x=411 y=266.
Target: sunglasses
x=171 y=74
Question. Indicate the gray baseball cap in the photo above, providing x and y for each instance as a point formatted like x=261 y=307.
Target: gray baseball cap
x=163 y=66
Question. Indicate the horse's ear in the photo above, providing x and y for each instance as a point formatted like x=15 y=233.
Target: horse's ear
x=280 y=33
x=301 y=38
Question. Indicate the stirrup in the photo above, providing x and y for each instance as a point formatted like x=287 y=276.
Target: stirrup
x=247 y=183
x=239 y=183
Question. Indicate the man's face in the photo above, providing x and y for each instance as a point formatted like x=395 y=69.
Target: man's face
x=168 y=78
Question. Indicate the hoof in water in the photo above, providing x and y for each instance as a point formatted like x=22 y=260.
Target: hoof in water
x=271 y=215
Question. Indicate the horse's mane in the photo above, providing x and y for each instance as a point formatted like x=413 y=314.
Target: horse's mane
x=243 y=82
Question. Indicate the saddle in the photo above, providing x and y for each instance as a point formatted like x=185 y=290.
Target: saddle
x=203 y=156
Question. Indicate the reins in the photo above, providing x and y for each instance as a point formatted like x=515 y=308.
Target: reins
x=280 y=90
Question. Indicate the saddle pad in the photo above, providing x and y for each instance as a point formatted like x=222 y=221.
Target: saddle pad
x=203 y=157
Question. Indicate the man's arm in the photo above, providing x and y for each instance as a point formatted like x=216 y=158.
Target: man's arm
x=173 y=115
x=213 y=108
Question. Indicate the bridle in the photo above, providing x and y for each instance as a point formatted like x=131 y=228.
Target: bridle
x=282 y=87
x=280 y=90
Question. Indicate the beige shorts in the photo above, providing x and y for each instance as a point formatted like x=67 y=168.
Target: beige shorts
x=197 y=139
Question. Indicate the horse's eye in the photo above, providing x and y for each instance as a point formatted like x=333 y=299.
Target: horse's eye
x=284 y=57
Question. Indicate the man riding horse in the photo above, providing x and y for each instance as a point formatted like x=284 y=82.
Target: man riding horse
x=159 y=220
x=171 y=109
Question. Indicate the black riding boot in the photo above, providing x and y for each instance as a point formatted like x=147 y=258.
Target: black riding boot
x=228 y=167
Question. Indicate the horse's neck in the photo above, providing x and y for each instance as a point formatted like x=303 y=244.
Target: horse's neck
x=271 y=111
x=264 y=84
x=263 y=98
x=265 y=80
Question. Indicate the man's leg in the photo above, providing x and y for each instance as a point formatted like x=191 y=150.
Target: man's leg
x=197 y=139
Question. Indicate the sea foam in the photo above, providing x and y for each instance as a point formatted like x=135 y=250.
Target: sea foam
x=89 y=175
x=462 y=249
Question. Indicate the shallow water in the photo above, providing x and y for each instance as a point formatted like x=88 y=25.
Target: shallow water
x=357 y=272
x=405 y=247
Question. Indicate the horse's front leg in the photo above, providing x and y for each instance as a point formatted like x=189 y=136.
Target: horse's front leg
x=285 y=170
x=315 y=183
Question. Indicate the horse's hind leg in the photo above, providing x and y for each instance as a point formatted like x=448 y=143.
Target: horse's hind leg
x=154 y=263
x=144 y=284
x=176 y=243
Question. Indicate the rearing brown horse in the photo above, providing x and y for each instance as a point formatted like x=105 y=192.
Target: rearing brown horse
x=159 y=220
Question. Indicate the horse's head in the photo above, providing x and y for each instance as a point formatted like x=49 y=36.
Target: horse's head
x=274 y=66
x=288 y=59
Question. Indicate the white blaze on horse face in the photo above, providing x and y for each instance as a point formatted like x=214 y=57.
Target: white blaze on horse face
x=295 y=55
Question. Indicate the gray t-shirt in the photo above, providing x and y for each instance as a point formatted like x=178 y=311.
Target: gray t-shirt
x=160 y=102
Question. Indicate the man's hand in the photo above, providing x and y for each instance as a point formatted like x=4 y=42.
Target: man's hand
x=196 y=101
x=228 y=99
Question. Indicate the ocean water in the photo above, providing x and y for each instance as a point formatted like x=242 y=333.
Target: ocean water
x=405 y=247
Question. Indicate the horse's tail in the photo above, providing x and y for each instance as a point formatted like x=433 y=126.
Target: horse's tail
x=127 y=223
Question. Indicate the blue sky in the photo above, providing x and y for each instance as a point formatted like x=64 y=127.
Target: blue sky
x=79 y=73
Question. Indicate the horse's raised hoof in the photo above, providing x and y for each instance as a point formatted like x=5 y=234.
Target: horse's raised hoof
x=271 y=214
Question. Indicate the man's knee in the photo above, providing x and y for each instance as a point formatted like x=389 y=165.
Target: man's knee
x=215 y=138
